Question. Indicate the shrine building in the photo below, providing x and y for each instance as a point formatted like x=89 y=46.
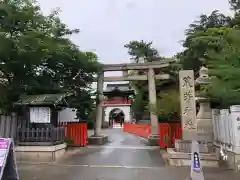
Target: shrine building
x=117 y=104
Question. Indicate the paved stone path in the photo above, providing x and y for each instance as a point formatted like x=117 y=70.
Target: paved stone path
x=125 y=158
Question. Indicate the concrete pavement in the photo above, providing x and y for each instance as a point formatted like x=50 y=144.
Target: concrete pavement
x=125 y=157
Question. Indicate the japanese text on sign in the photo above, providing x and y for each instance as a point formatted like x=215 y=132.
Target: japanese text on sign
x=187 y=94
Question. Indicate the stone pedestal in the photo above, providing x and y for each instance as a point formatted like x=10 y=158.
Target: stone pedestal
x=181 y=154
x=185 y=146
x=204 y=121
x=232 y=161
x=184 y=159
x=40 y=153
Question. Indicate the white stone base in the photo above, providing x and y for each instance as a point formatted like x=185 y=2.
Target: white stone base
x=184 y=159
x=233 y=160
x=40 y=153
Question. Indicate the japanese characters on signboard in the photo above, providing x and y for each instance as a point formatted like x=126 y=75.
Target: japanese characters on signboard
x=187 y=95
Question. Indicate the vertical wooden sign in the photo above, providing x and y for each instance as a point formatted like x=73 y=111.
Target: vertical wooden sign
x=188 y=104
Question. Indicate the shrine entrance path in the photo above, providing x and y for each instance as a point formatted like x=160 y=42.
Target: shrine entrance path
x=124 y=150
x=125 y=157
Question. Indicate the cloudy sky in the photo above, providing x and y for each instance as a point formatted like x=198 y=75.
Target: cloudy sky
x=106 y=25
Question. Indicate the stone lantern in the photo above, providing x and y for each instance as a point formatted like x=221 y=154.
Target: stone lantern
x=204 y=116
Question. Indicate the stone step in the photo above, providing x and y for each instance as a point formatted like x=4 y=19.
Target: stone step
x=184 y=159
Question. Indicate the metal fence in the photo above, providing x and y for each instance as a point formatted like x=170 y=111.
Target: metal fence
x=226 y=126
x=40 y=135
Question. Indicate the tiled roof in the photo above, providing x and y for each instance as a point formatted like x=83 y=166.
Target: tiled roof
x=42 y=99
x=119 y=87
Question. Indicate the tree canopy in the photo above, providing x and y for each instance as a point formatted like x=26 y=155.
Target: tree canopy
x=194 y=53
x=143 y=50
x=224 y=65
x=213 y=41
x=37 y=56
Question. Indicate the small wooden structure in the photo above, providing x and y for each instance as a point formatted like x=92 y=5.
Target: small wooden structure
x=40 y=123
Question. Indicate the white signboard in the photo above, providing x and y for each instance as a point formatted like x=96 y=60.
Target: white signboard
x=67 y=115
x=188 y=104
x=8 y=166
x=40 y=115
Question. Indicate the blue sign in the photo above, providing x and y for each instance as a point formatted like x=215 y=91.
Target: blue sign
x=196 y=169
x=196 y=161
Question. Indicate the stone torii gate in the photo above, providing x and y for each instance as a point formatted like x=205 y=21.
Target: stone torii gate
x=98 y=138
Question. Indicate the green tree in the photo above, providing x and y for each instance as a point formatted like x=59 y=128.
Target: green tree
x=224 y=66
x=138 y=105
x=169 y=104
x=214 y=41
x=222 y=59
x=37 y=57
x=234 y=4
x=141 y=49
x=194 y=53
x=144 y=50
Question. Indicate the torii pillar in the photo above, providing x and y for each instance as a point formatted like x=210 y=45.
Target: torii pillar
x=154 y=138
x=97 y=138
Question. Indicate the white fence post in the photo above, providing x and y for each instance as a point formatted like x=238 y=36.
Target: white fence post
x=223 y=114
x=225 y=123
x=235 y=115
x=215 y=120
x=230 y=130
x=220 y=128
x=227 y=130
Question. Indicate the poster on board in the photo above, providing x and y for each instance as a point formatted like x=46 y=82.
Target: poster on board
x=8 y=166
